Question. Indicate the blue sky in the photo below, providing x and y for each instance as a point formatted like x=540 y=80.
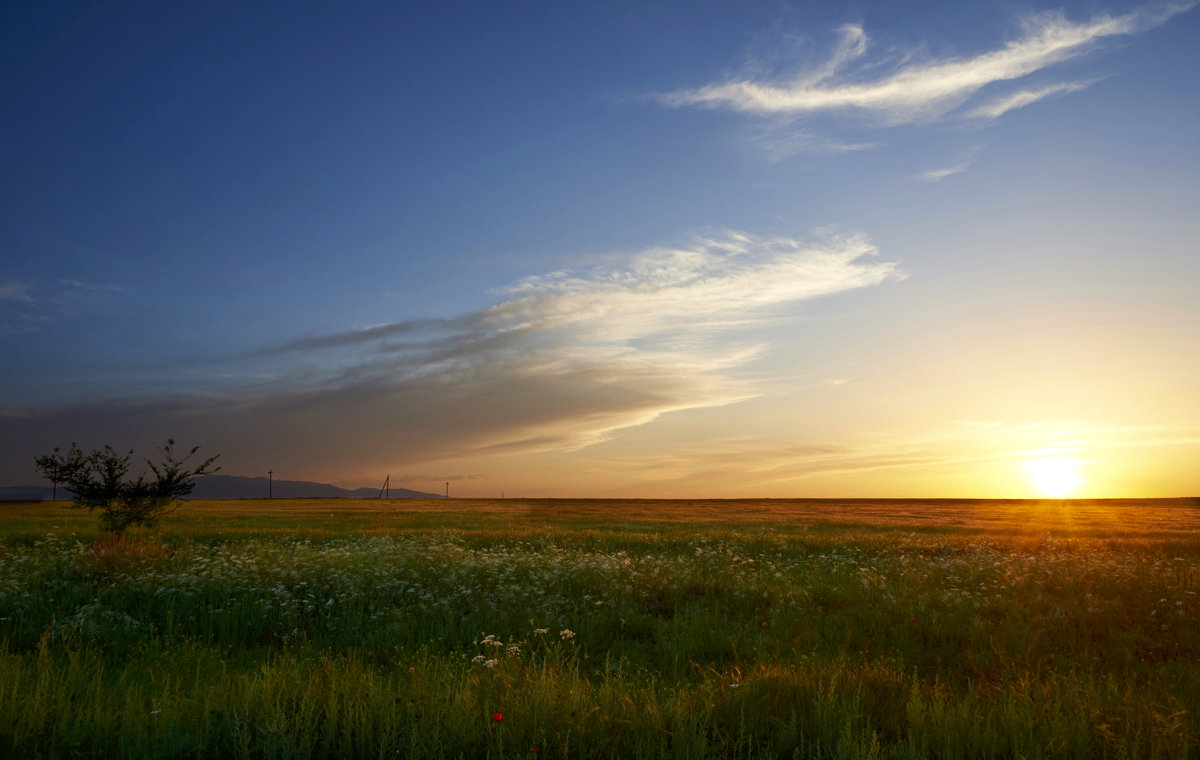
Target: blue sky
x=688 y=249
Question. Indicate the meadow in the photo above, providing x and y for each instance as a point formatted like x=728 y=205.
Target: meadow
x=604 y=629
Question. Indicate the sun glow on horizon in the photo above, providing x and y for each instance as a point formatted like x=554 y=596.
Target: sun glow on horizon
x=1054 y=477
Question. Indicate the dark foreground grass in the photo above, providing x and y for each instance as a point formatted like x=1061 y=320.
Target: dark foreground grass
x=759 y=629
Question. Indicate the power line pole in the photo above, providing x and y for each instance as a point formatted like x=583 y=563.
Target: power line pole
x=447 y=489
x=385 y=489
x=270 y=484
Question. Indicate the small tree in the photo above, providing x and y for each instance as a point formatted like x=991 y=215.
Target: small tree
x=98 y=481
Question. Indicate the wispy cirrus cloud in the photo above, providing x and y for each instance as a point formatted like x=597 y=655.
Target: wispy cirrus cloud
x=940 y=173
x=15 y=291
x=780 y=141
x=562 y=361
x=916 y=88
x=994 y=109
x=19 y=311
x=714 y=283
x=933 y=175
x=27 y=307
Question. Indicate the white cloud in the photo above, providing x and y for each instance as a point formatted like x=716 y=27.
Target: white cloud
x=933 y=175
x=778 y=142
x=917 y=90
x=998 y=107
x=27 y=307
x=718 y=282
x=14 y=291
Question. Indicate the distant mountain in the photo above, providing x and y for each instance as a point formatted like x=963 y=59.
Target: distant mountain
x=30 y=493
x=236 y=487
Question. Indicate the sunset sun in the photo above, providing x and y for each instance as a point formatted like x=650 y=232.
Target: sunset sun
x=1054 y=477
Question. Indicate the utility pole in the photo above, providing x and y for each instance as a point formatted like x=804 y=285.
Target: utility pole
x=270 y=484
x=447 y=489
x=386 y=489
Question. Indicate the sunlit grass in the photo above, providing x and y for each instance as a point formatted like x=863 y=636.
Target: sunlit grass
x=310 y=628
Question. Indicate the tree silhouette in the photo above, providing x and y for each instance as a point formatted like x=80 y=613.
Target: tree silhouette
x=98 y=480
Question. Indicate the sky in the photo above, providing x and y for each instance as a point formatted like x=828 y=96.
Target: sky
x=673 y=249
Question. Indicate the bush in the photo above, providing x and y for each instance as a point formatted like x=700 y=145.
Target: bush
x=98 y=481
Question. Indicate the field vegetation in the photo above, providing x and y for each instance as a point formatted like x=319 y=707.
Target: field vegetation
x=604 y=629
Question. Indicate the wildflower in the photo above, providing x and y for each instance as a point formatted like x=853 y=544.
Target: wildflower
x=497 y=716
x=541 y=631
x=490 y=663
x=566 y=633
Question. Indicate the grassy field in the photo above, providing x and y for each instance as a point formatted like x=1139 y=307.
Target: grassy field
x=604 y=629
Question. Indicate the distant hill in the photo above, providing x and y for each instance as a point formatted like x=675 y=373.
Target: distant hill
x=237 y=487
x=29 y=493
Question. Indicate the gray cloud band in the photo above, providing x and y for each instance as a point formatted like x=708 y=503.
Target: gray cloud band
x=566 y=361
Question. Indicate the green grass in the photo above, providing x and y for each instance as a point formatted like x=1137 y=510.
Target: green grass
x=725 y=629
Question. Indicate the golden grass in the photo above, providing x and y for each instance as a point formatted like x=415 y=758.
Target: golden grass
x=1112 y=519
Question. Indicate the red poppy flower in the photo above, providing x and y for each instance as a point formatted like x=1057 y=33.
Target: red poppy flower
x=497 y=717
